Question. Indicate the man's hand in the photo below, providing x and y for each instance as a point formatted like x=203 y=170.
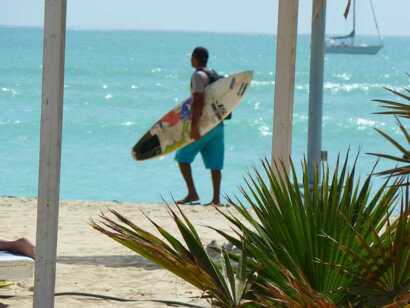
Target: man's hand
x=195 y=132
x=197 y=107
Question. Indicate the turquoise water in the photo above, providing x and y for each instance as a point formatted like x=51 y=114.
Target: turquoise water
x=118 y=83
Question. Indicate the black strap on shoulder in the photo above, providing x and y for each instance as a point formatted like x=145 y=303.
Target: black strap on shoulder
x=208 y=73
x=212 y=78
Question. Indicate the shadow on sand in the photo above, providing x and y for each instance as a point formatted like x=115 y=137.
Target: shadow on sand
x=110 y=261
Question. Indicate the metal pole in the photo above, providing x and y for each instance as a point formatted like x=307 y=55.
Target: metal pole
x=285 y=81
x=50 y=152
x=316 y=85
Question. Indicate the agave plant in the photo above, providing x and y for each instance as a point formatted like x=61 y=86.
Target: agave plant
x=222 y=283
x=398 y=110
x=289 y=223
x=283 y=234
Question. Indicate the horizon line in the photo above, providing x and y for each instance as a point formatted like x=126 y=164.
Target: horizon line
x=221 y=32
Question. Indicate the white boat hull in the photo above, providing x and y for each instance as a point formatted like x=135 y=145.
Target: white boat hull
x=354 y=50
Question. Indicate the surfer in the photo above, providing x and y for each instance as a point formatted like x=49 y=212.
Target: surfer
x=211 y=145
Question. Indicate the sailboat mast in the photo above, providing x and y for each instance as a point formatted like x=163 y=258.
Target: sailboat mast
x=376 y=23
x=354 y=20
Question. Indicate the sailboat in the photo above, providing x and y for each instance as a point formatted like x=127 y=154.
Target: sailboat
x=346 y=44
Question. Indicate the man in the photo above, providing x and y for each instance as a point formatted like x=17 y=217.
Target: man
x=211 y=145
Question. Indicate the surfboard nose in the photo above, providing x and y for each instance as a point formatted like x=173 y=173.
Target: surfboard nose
x=246 y=74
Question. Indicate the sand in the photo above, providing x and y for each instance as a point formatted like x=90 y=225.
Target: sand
x=90 y=262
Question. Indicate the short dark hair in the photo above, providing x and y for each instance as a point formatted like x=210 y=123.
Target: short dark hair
x=201 y=54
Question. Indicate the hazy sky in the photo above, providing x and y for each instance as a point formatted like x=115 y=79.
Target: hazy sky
x=215 y=15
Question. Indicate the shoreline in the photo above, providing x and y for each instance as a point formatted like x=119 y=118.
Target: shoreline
x=89 y=262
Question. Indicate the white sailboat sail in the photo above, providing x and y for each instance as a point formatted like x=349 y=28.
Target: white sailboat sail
x=345 y=44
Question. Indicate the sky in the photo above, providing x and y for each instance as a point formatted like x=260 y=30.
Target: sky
x=259 y=16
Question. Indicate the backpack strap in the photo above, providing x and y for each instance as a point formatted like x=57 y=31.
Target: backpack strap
x=209 y=73
x=212 y=76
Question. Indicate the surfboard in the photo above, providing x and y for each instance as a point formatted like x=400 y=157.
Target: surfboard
x=173 y=130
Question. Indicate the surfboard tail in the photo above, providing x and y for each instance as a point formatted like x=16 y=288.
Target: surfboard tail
x=146 y=148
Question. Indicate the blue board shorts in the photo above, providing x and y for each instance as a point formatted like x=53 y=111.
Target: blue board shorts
x=211 y=146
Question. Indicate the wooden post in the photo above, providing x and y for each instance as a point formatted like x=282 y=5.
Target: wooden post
x=50 y=152
x=285 y=80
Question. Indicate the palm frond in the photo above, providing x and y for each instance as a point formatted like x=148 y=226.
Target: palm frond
x=4 y=284
x=401 y=301
x=399 y=110
x=305 y=296
x=189 y=260
x=404 y=150
x=382 y=272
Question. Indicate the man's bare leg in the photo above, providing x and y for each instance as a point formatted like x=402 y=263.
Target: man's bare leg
x=186 y=172
x=22 y=247
x=216 y=183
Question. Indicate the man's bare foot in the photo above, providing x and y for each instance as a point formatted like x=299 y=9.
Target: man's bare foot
x=189 y=200
x=24 y=247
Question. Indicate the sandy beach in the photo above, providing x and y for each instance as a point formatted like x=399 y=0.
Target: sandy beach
x=90 y=262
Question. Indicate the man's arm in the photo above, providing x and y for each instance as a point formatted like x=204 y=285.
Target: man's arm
x=197 y=107
x=199 y=83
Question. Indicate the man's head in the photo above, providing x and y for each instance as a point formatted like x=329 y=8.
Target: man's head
x=200 y=57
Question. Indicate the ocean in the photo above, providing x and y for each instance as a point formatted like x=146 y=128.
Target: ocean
x=119 y=82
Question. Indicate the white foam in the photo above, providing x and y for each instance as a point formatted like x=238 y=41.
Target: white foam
x=9 y=122
x=337 y=87
x=363 y=124
x=128 y=123
x=301 y=87
x=349 y=87
x=264 y=130
x=171 y=76
x=261 y=83
x=108 y=96
x=156 y=70
x=134 y=86
x=300 y=116
x=344 y=76
x=7 y=90
x=104 y=86
x=258 y=121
